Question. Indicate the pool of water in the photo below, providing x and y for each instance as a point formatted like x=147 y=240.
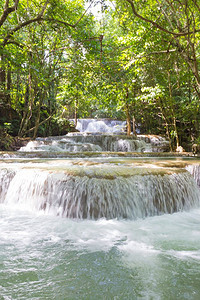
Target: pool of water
x=48 y=257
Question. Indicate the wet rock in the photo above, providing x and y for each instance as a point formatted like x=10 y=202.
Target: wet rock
x=180 y=149
x=196 y=149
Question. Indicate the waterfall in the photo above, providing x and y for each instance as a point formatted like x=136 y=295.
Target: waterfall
x=77 y=142
x=130 y=221
x=101 y=125
x=81 y=143
x=194 y=169
x=98 y=136
x=94 y=193
x=101 y=188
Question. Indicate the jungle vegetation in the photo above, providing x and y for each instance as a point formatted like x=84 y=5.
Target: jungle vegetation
x=125 y=59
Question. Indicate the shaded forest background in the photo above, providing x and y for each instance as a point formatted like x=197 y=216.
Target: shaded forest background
x=124 y=59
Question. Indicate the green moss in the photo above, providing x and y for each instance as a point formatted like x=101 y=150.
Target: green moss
x=6 y=140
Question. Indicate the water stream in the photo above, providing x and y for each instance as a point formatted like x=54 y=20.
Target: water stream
x=98 y=227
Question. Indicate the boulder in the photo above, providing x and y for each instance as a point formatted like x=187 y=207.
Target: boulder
x=196 y=148
x=180 y=149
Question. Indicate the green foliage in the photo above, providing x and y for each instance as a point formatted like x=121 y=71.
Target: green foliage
x=60 y=126
x=6 y=140
x=115 y=65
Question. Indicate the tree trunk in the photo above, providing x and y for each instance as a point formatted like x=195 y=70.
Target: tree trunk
x=128 y=117
x=128 y=120
x=29 y=97
x=37 y=121
x=8 y=96
x=2 y=80
x=134 y=130
x=173 y=111
x=76 y=112
x=166 y=123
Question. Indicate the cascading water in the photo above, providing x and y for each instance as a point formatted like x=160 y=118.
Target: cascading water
x=81 y=143
x=104 y=190
x=103 y=126
x=194 y=169
x=99 y=136
x=98 y=228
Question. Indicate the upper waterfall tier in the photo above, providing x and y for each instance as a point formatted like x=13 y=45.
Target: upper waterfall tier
x=99 y=135
x=101 y=126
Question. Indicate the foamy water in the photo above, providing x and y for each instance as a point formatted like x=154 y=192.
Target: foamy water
x=46 y=257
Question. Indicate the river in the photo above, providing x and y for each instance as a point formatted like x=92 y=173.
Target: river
x=99 y=227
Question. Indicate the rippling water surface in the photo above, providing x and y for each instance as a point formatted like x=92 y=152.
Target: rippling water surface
x=46 y=257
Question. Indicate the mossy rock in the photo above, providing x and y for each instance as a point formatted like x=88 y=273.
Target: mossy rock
x=6 y=141
x=10 y=143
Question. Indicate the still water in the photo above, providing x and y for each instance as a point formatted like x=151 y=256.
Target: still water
x=49 y=257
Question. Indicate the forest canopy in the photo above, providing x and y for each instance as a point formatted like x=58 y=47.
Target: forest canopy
x=124 y=59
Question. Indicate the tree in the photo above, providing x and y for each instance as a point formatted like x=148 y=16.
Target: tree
x=179 y=22
x=32 y=35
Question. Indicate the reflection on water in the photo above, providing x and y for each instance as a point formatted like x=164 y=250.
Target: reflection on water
x=46 y=257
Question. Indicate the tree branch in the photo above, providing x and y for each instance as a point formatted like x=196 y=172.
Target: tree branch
x=148 y=54
x=83 y=14
x=156 y=24
x=7 y=39
x=66 y=23
x=162 y=51
x=44 y=121
x=13 y=42
x=59 y=21
x=196 y=4
x=8 y=10
x=38 y=18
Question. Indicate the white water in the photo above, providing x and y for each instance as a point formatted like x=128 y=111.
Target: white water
x=143 y=243
x=44 y=257
x=195 y=171
x=93 y=189
x=77 y=142
x=101 y=125
x=98 y=136
x=92 y=143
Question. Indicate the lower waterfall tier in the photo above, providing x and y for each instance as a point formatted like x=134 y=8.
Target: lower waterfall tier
x=91 y=190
